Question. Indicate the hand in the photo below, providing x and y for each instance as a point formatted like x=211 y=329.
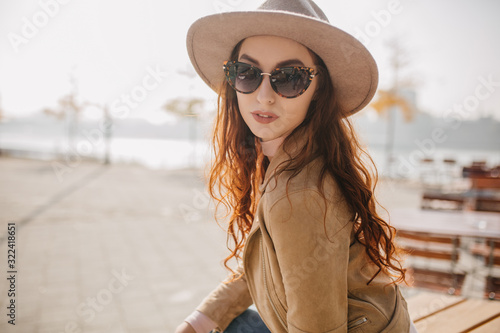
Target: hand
x=185 y=328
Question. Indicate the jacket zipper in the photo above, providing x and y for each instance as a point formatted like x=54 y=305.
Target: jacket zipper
x=357 y=323
x=267 y=290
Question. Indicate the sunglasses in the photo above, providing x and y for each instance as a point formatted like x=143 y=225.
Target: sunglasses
x=288 y=82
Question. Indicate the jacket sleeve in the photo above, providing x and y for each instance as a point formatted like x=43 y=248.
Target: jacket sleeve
x=227 y=301
x=311 y=240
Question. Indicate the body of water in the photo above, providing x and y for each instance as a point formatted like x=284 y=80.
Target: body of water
x=185 y=145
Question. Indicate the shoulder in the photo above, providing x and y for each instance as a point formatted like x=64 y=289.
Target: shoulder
x=300 y=194
x=306 y=182
x=303 y=208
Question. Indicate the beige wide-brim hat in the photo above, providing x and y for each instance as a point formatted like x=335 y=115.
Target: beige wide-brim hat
x=211 y=39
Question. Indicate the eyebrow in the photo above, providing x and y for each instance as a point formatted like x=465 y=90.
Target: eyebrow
x=284 y=63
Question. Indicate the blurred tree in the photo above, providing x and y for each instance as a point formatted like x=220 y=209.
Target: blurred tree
x=70 y=110
x=190 y=108
x=106 y=130
x=1 y=119
x=389 y=101
x=185 y=107
x=1 y=109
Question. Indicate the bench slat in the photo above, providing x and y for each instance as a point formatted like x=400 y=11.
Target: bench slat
x=492 y=326
x=428 y=303
x=460 y=317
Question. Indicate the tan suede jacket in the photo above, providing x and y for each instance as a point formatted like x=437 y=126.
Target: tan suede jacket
x=303 y=268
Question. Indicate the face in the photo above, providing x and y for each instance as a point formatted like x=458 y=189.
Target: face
x=268 y=115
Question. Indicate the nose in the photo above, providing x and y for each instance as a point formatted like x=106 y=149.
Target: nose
x=265 y=93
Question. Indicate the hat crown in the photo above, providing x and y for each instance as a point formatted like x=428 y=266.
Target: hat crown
x=302 y=7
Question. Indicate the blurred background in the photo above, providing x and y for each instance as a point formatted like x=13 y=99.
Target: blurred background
x=104 y=133
x=63 y=65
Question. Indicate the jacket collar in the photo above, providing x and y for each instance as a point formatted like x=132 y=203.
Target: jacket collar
x=296 y=142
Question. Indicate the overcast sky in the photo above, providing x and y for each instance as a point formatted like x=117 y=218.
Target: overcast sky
x=112 y=46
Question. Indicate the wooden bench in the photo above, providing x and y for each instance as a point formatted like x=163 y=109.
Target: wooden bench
x=485 y=182
x=486 y=186
x=433 y=247
x=440 y=313
x=487 y=203
x=436 y=199
x=490 y=251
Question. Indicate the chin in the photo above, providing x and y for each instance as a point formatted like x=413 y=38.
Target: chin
x=266 y=133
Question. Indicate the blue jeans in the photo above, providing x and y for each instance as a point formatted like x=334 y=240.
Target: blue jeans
x=247 y=322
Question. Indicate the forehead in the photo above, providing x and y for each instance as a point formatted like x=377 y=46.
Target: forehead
x=270 y=50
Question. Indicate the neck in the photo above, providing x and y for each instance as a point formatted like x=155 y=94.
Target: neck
x=269 y=148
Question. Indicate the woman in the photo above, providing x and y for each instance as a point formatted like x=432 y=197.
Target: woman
x=316 y=257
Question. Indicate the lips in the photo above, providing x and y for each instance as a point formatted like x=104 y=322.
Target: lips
x=264 y=117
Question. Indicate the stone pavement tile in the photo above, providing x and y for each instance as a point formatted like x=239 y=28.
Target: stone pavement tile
x=25 y=326
x=51 y=314
x=98 y=317
x=61 y=295
x=110 y=328
x=59 y=326
x=27 y=314
x=143 y=319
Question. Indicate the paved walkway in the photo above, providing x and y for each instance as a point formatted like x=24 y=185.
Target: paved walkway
x=111 y=248
x=106 y=249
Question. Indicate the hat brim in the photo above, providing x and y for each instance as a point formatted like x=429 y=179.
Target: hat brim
x=354 y=74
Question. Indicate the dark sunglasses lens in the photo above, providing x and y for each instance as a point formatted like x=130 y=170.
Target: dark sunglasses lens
x=244 y=78
x=290 y=82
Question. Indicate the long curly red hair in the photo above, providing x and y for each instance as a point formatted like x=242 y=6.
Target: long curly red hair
x=239 y=168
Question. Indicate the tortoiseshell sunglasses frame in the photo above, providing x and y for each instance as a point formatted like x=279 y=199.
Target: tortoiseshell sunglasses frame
x=311 y=75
